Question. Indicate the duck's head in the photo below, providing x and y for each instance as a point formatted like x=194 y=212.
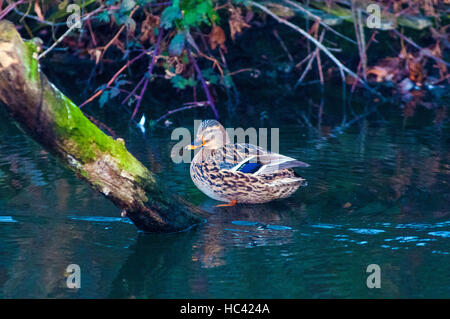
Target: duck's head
x=210 y=135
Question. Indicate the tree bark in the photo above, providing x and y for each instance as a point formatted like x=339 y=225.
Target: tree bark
x=56 y=123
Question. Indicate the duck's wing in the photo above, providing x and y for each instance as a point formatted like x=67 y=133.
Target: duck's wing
x=251 y=159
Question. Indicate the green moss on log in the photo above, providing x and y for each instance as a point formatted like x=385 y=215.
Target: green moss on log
x=85 y=141
x=79 y=136
x=31 y=64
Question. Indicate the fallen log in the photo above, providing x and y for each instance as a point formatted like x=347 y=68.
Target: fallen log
x=55 y=122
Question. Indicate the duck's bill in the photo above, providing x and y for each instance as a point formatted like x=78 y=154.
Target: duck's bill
x=196 y=144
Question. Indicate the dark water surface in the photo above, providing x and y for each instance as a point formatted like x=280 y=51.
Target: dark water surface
x=378 y=193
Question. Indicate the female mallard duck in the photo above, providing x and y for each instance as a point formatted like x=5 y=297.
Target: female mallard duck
x=240 y=173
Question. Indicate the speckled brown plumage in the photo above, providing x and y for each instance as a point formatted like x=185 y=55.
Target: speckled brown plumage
x=214 y=170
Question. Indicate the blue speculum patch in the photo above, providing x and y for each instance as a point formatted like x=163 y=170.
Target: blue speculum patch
x=249 y=168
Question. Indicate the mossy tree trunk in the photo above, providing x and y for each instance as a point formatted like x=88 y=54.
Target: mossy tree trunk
x=55 y=122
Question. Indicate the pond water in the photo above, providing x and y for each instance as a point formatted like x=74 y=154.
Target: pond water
x=378 y=193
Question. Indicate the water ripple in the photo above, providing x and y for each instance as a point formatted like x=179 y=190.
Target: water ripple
x=102 y=219
x=260 y=226
x=366 y=231
x=7 y=219
x=445 y=234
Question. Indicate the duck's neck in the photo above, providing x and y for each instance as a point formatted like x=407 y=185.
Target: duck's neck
x=202 y=155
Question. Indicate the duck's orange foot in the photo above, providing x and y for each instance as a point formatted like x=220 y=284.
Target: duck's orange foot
x=230 y=204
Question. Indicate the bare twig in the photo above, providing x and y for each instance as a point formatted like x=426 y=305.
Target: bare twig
x=214 y=61
x=117 y=34
x=425 y=51
x=298 y=65
x=346 y=124
x=53 y=24
x=317 y=18
x=132 y=93
x=308 y=67
x=75 y=25
x=205 y=86
x=114 y=77
x=313 y=55
x=149 y=72
x=101 y=125
x=94 y=41
x=372 y=38
x=319 y=67
x=10 y=7
x=342 y=68
x=359 y=31
x=283 y=46
x=187 y=106
x=240 y=71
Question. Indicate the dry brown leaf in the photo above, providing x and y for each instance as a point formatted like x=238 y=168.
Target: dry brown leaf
x=176 y=64
x=428 y=8
x=236 y=21
x=386 y=70
x=416 y=71
x=148 y=28
x=217 y=38
x=119 y=44
x=38 y=11
x=95 y=54
x=380 y=73
x=314 y=30
x=437 y=52
x=347 y=205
